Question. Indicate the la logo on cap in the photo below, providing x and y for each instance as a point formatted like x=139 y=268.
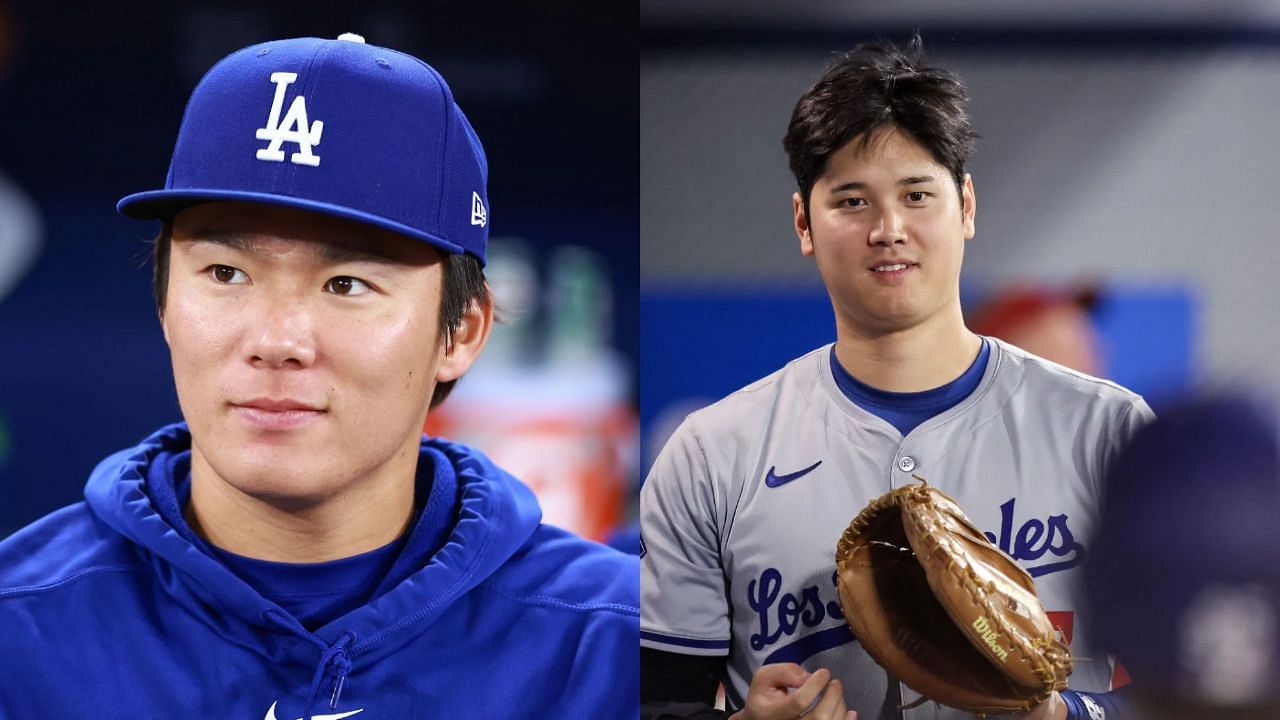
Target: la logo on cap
x=294 y=128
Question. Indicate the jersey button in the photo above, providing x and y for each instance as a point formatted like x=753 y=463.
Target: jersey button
x=906 y=463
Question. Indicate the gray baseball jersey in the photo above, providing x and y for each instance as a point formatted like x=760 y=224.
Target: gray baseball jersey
x=742 y=509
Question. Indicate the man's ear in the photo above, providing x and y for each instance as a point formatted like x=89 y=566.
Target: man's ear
x=469 y=338
x=801 y=224
x=164 y=326
x=969 y=210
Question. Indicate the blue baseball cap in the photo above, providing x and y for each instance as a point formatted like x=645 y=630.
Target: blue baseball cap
x=337 y=127
x=1183 y=576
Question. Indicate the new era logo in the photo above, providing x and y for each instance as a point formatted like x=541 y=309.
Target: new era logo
x=478 y=214
x=294 y=128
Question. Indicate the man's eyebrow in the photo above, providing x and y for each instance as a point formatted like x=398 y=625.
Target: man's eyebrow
x=231 y=239
x=332 y=254
x=854 y=185
x=336 y=254
x=859 y=185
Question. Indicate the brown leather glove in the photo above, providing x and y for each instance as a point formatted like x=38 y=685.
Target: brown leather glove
x=943 y=610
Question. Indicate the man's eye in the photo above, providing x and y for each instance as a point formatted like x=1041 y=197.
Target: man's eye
x=348 y=286
x=227 y=275
x=917 y=196
x=853 y=202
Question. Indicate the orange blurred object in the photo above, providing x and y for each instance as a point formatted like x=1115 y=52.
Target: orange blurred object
x=575 y=462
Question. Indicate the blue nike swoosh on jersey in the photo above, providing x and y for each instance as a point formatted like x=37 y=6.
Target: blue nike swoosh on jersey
x=774 y=480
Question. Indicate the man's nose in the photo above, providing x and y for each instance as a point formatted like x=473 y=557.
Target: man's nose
x=889 y=229
x=282 y=335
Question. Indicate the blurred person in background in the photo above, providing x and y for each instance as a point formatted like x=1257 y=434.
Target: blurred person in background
x=1055 y=325
x=1186 y=590
x=296 y=547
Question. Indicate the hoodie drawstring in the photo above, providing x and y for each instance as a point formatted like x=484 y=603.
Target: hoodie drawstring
x=333 y=660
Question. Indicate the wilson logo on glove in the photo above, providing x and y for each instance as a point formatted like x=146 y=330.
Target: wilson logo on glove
x=990 y=637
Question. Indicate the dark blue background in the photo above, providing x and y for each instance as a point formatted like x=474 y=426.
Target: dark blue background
x=90 y=101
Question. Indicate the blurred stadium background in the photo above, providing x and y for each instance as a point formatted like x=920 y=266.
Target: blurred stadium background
x=90 y=100
x=1127 y=158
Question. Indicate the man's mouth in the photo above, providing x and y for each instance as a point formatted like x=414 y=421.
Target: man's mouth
x=893 y=269
x=276 y=413
x=278 y=404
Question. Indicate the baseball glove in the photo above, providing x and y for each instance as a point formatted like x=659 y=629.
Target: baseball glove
x=943 y=610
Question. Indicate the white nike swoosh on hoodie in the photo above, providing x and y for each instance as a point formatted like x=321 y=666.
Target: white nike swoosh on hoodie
x=271 y=714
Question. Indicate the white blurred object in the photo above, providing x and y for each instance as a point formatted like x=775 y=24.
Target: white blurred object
x=580 y=305
x=21 y=233
x=513 y=279
x=1228 y=636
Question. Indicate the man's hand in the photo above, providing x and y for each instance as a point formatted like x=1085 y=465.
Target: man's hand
x=771 y=695
x=1052 y=709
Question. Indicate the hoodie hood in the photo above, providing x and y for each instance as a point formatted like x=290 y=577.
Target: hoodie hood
x=474 y=517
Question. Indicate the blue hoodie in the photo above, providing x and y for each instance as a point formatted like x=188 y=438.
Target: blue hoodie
x=113 y=608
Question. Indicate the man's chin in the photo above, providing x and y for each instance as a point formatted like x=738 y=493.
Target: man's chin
x=889 y=321
x=281 y=474
x=289 y=493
